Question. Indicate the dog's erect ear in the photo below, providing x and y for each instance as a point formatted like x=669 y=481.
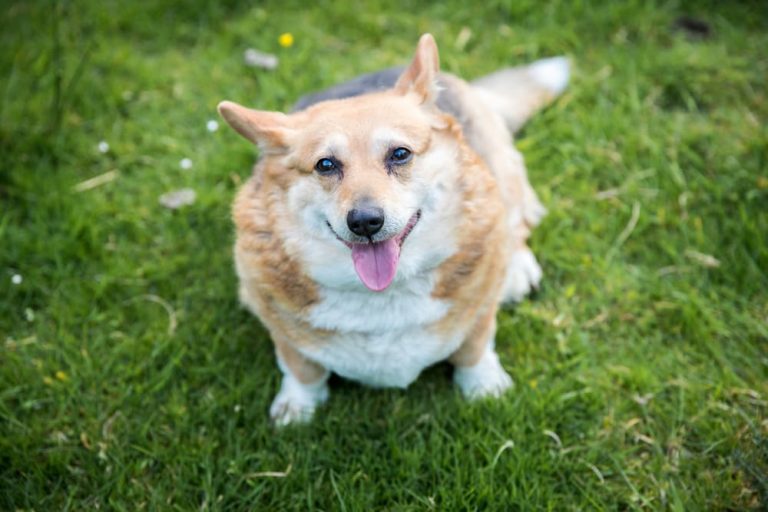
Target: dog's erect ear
x=269 y=130
x=419 y=78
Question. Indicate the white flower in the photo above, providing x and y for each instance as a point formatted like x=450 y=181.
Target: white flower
x=16 y=279
x=185 y=163
x=178 y=198
x=258 y=59
x=103 y=146
x=212 y=125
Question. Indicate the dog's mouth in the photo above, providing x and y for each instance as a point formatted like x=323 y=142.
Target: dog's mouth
x=376 y=262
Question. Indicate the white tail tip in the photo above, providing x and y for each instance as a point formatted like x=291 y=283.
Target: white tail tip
x=552 y=73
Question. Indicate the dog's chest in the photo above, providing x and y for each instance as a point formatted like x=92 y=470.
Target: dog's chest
x=381 y=339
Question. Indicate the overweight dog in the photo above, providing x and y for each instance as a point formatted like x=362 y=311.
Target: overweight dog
x=385 y=222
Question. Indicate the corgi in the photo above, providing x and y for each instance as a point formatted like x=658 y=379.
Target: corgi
x=385 y=222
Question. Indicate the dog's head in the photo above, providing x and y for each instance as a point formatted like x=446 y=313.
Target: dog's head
x=362 y=171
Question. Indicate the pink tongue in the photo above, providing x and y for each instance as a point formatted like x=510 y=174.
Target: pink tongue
x=376 y=263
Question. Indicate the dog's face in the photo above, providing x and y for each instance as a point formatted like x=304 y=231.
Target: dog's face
x=363 y=172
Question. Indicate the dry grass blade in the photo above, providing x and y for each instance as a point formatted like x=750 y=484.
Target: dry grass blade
x=705 y=260
x=97 y=181
x=270 y=474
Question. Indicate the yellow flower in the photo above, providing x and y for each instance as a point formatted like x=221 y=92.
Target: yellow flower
x=63 y=377
x=47 y=380
x=285 y=40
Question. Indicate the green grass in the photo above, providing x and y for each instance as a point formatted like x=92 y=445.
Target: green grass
x=641 y=367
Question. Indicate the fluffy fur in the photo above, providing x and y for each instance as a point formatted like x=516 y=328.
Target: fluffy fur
x=461 y=207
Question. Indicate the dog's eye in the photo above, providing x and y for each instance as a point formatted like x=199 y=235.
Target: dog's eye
x=327 y=165
x=400 y=156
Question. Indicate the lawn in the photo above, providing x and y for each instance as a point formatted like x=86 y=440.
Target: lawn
x=131 y=379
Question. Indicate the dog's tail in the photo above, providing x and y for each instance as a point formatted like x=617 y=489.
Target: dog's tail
x=517 y=93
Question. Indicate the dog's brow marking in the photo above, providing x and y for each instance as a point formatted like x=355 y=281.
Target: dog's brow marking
x=384 y=138
x=334 y=144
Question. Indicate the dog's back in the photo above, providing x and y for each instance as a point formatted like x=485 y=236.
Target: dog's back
x=515 y=93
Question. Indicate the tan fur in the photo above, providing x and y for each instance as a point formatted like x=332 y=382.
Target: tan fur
x=490 y=139
x=277 y=276
x=477 y=340
x=305 y=370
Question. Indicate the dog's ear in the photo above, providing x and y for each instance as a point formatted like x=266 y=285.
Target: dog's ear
x=419 y=78
x=269 y=130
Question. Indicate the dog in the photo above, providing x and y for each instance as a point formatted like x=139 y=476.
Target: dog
x=385 y=222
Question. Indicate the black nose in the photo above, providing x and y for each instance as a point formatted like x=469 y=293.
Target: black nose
x=365 y=221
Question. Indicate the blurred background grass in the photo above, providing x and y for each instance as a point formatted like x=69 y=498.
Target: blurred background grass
x=130 y=379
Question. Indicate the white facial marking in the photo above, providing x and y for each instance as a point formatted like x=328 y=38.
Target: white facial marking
x=434 y=238
x=335 y=144
x=383 y=139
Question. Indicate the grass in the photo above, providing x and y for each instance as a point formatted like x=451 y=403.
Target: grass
x=130 y=379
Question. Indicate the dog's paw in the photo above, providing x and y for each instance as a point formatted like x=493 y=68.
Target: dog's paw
x=285 y=411
x=487 y=378
x=296 y=402
x=523 y=275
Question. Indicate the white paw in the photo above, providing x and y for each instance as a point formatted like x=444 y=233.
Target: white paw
x=296 y=402
x=486 y=378
x=523 y=275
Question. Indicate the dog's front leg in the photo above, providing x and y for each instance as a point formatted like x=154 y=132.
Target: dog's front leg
x=304 y=387
x=477 y=370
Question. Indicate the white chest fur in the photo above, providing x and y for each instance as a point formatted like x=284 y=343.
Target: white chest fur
x=383 y=339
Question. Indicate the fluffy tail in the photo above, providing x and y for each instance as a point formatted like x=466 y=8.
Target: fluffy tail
x=517 y=93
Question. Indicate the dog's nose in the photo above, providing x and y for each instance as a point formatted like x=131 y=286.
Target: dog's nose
x=365 y=221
